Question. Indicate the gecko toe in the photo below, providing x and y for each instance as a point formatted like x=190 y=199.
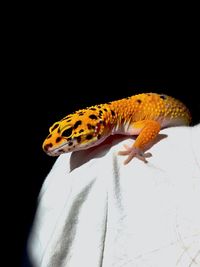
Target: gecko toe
x=132 y=152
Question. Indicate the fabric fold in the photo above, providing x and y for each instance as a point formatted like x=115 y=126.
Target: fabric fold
x=95 y=211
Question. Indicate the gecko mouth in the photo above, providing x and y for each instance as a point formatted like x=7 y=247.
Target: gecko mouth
x=63 y=148
x=71 y=145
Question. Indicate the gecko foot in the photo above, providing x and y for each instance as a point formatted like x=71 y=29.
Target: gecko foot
x=134 y=152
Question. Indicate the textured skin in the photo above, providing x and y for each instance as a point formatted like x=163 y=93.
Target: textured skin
x=142 y=115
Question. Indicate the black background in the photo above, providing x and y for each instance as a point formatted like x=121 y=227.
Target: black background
x=55 y=66
x=64 y=94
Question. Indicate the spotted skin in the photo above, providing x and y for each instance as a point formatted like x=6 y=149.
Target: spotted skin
x=142 y=115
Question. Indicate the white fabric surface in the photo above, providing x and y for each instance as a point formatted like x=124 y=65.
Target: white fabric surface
x=95 y=211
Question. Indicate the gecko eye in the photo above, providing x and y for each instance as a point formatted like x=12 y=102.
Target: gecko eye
x=67 y=132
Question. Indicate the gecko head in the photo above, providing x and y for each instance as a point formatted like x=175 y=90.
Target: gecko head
x=77 y=131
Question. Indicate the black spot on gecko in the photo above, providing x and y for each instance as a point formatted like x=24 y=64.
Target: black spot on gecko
x=67 y=118
x=103 y=122
x=139 y=101
x=105 y=109
x=89 y=126
x=93 y=117
x=98 y=136
x=54 y=127
x=58 y=139
x=113 y=113
x=70 y=143
x=81 y=113
x=81 y=131
x=50 y=135
x=163 y=96
x=77 y=124
x=92 y=108
x=68 y=139
x=100 y=113
x=78 y=139
x=89 y=136
x=64 y=119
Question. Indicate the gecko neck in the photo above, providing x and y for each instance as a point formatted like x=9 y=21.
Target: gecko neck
x=118 y=119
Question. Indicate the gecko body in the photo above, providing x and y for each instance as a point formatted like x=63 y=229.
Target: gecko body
x=142 y=115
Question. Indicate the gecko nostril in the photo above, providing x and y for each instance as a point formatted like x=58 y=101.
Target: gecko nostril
x=47 y=146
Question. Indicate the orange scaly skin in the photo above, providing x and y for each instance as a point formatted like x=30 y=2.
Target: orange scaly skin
x=142 y=115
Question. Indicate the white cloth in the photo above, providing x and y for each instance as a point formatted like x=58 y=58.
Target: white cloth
x=95 y=211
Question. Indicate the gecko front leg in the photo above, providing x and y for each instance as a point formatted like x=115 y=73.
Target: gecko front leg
x=148 y=130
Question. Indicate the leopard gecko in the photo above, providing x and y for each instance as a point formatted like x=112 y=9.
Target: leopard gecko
x=142 y=115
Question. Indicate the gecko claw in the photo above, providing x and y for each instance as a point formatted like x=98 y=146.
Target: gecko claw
x=134 y=152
